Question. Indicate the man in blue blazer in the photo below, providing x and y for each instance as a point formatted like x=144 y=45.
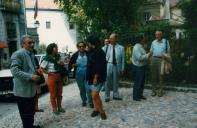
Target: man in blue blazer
x=115 y=67
x=25 y=77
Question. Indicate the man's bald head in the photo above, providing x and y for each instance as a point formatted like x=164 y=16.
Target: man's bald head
x=158 y=35
x=113 y=38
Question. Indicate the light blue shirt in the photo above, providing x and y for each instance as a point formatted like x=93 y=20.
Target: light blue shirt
x=120 y=55
x=139 y=56
x=158 y=48
x=81 y=63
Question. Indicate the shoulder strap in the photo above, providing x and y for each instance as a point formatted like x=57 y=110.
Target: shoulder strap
x=166 y=46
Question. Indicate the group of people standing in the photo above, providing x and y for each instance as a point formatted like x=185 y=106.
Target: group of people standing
x=97 y=68
x=159 y=52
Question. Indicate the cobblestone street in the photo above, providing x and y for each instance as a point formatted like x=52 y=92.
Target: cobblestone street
x=174 y=110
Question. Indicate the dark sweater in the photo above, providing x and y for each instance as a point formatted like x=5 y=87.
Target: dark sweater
x=96 y=65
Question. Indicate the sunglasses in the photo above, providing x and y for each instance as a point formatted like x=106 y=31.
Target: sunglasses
x=81 y=46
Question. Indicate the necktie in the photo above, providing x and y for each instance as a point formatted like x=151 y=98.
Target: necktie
x=106 y=49
x=114 y=55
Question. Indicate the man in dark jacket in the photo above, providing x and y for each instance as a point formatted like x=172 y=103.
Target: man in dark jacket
x=96 y=74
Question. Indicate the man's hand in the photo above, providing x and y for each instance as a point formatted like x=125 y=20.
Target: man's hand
x=39 y=71
x=60 y=62
x=74 y=65
x=150 y=54
x=35 y=77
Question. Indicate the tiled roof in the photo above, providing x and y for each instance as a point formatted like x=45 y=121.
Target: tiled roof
x=42 y=4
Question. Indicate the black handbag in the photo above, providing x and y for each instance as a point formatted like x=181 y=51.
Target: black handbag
x=41 y=80
x=64 y=72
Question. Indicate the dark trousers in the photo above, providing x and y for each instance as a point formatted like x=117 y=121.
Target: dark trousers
x=26 y=107
x=139 y=80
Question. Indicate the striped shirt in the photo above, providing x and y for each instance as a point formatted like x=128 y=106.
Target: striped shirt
x=48 y=66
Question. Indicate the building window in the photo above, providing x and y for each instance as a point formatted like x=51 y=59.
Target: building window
x=48 y=25
x=147 y=16
x=11 y=30
x=71 y=25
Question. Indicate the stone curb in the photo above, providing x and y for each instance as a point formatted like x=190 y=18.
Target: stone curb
x=166 y=87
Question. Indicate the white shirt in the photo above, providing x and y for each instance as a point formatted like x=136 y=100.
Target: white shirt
x=120 y=55
x=139 y=56
x=48 y=66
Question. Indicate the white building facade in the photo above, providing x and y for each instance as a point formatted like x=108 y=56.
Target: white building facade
x=53 y=25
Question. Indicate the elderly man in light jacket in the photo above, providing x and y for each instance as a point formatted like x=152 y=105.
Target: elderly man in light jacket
x=115 y=67
x=25 y=77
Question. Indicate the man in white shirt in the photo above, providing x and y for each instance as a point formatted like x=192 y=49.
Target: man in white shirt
x=159 y=48
x=115 y=67
x=139 y=60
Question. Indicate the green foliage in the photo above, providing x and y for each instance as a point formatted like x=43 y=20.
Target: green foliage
x=102 y=16
x=190 y=13
x=42 y=49
x=149 y=30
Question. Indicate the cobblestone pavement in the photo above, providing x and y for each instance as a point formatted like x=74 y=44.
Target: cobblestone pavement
x=174 y=110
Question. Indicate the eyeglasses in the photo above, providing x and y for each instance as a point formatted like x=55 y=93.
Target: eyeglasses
x=30 y=42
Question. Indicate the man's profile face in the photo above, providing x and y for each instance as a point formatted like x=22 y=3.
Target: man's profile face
x=28 y=44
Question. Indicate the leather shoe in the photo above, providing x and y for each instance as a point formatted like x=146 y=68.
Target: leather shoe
x=103 y=116
x=136 y=99
x=84 y=104
x=36 y=126
x=107 y=100
x=39 y=110
x=91 y=105
x=143 y=98
x=94 y=113
x=117 y=98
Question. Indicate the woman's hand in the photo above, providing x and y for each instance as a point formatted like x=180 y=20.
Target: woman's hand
x=95 y=80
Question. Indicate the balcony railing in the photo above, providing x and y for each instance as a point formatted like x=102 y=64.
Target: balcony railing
x=10 y=5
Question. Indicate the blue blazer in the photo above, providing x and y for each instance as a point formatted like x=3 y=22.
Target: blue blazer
x=22 y=69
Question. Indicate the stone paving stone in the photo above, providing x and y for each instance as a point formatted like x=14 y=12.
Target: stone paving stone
x=173 y=110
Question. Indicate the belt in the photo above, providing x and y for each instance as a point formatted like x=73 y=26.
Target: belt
x=157 y=57
x=54 y=72
x=112 y=63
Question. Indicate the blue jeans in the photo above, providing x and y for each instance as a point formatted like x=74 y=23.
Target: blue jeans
x=139 y=80
x=89 y=95
x=82 y=88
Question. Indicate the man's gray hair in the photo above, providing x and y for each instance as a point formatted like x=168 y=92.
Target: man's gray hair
x=23 y=39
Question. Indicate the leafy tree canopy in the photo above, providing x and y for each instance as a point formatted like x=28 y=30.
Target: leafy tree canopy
x=190 y=13
x=102 y=16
